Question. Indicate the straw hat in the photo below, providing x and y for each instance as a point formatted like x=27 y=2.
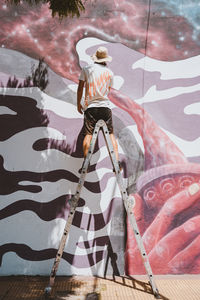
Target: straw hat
x=101 y=55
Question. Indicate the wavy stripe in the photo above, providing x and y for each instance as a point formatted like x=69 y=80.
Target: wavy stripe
x=171 y=70
x=155 y=95
x=46 y=211
x=50 y=184
x=10 y=181
x=13 y=124
x=39 y=234
x=59 y=208
x=27 y=253
x=49 y=192
x=41 y=161
x=52 y=191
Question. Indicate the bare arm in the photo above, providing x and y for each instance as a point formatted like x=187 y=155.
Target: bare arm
x=79 y=95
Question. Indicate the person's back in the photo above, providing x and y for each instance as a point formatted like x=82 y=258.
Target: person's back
x=98 y=80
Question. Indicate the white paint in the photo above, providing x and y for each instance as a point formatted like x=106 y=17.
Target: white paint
x=153 y=95
x=73 y=87
x=27 y=228
x=189 y=148
x=118 y=82
x=50 y=191
x=188 y=68
x=4 y=110
x=193 y=189
x=14 y=265
x=192 y=109
x=13 y=150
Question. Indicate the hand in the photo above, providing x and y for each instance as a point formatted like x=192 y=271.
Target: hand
x=171 y=247
x=80 y=108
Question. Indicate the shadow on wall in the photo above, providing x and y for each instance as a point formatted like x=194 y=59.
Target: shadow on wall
x=28 y=175
x=38 y=78
x=40 y=157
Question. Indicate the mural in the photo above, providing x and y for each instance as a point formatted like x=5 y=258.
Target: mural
x=155 y=47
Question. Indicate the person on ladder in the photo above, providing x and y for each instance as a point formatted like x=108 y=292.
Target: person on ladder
x=97 y=79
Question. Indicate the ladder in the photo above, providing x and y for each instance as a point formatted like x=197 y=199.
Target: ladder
x=129 y=202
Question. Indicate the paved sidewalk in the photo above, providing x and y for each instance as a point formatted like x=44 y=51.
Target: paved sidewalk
x=97 y=288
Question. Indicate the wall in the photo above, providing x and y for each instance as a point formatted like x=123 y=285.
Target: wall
x=155 y=103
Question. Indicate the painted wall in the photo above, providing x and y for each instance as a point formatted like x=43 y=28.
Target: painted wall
x=155 y=101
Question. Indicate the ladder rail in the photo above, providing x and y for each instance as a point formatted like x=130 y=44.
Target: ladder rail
x=73 y=204
x=128 y=201
x=132 y=220
x=129 y=204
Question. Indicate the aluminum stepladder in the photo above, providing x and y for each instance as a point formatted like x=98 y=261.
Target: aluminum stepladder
x=129 y=202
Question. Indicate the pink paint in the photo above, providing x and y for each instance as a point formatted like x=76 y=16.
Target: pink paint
x=159 y=149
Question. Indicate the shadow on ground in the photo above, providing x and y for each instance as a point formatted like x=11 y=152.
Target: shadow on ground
x=73 y=288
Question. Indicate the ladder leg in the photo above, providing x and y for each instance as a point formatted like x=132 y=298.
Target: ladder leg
x=129 y=203
x=73 y=204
